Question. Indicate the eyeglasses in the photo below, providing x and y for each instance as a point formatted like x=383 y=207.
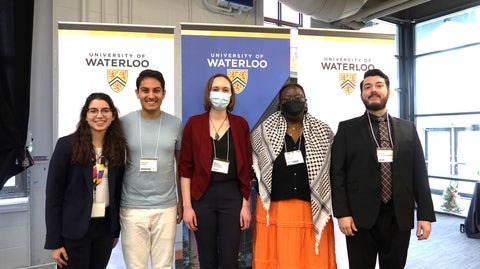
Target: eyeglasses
x=292 y=98
x=94 y=111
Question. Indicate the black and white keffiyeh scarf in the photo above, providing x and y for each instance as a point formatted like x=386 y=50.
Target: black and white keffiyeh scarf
x=267 y=143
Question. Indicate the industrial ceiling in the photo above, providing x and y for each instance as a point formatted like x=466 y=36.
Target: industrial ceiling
x=354 y=14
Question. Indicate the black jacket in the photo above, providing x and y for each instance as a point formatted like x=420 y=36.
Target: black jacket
x=355 y=174
x=69 y=196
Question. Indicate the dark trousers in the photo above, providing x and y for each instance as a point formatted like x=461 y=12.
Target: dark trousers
x=218 y=219
x=384 y=239
x=93 y=250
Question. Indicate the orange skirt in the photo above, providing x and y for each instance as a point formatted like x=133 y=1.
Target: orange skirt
x=289 y=240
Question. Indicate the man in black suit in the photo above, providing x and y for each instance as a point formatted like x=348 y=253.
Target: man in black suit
x=377 y=218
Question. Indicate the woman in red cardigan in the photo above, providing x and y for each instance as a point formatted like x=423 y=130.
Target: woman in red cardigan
x=215 y=170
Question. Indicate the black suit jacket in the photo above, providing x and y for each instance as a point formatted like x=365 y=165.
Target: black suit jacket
x=69 y=197
x=355 y=174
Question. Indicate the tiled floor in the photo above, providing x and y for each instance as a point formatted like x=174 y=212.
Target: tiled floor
x=446 y=224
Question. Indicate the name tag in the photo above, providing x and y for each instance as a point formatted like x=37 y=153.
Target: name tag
x=220 y=166
x=98 y=210
x=293 y=157
x=385 y=155
x=148 y=165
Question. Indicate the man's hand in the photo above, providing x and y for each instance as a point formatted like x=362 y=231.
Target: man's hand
x=347 y=226
x=60 y=256
x=179 y=212
x=424 y=228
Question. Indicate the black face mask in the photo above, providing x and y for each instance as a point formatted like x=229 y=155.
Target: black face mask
x=293 y=107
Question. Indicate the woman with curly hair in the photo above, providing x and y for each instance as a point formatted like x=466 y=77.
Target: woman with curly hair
x=83 y=188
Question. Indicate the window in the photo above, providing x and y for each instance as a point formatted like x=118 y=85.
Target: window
x=446 y=114
x=276 y=13
x=447 y=77
x=451 y=151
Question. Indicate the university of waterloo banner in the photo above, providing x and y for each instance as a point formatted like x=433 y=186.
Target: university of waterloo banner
x=108 y=58
x=331 y=64
x=257 y=59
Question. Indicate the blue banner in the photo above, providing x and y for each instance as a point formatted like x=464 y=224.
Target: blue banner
x=257 y=59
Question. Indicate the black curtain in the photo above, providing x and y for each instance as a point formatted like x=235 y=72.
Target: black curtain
x=16 y=27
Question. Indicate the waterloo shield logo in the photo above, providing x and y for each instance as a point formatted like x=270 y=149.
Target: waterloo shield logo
x=239 y=78
x=347 y=82
x=117 y=79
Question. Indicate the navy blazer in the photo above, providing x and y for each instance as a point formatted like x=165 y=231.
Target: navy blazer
x=69 y=196
x=355 y=174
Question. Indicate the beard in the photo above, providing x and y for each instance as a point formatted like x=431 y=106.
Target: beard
x=375 y=106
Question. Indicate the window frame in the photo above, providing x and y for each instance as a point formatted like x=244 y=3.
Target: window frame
x=278 y=21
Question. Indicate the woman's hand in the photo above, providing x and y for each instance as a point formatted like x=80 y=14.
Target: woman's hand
x=189 y=218
x=245 y=215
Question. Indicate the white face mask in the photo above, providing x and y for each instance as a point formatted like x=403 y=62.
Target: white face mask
x=220 y=100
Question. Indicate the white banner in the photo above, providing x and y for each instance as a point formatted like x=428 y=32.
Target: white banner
x=108 y=58
x=331 y=64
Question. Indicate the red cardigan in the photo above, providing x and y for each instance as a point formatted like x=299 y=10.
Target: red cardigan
x=196 y=153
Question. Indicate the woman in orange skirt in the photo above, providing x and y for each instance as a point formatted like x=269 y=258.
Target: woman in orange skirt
x=293 y=228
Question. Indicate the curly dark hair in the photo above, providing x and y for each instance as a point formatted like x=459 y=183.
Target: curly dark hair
x=114 y=145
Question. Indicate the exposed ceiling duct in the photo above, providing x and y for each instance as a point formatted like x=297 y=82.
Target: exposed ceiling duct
x=351 y=13
x=325 y=10
x=375 y=11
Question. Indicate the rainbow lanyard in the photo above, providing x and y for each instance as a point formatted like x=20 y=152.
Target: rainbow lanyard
x=98 y=170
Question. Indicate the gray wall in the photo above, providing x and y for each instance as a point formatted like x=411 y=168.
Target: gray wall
x=22 y=225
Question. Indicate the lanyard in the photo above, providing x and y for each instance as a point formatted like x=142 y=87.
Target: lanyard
x=140 y=131
x=98 y=169
x=228 y=146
